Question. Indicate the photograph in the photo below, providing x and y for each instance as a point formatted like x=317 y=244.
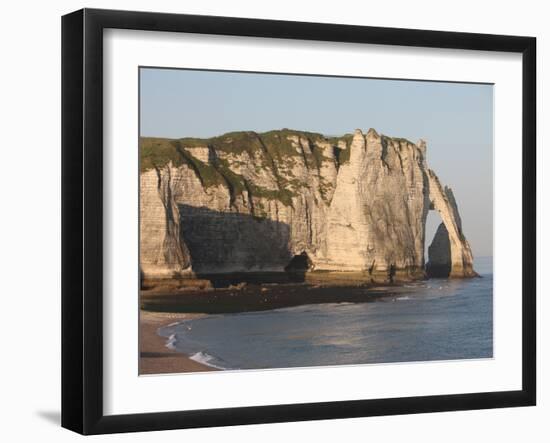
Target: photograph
x=295 y=221
x=280 y=221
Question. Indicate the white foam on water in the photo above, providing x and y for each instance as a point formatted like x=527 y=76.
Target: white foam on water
x=205 y=359
x=171 y=342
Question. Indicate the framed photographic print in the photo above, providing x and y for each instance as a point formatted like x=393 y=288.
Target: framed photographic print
x=270 y=221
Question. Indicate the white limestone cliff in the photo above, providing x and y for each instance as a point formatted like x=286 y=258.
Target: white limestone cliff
x=377 y=217
x=247 y=202
x=162 y=253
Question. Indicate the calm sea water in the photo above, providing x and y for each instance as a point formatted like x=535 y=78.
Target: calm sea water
x=433 y=320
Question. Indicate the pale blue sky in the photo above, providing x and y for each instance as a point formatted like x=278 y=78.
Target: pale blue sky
x=455 y=119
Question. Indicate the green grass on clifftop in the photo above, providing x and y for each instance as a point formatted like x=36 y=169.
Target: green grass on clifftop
x=272 y=149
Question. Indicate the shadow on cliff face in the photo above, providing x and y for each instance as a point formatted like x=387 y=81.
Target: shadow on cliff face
x=230 y=248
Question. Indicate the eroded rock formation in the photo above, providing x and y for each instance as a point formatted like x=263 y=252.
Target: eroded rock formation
x=248 y=202
x=162 y=253
x=449 y=254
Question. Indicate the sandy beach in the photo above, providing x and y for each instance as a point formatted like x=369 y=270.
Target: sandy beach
x=155 y=357
x=163 y=305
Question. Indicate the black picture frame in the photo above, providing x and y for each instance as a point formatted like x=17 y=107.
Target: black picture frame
x=82 y=217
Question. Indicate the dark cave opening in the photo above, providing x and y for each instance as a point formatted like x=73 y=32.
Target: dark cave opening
x=299 y=263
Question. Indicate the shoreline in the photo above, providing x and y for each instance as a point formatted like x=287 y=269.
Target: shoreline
x=253 y=297
x=163 y=306
x=154 y=357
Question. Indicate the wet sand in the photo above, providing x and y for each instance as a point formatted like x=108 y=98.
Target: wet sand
x=256 y=297
x=165 y=304
x=155 y=357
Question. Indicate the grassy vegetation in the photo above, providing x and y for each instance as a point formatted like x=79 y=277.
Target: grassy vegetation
x=282 y=195
x=272 y=150
x=398 y=139
x=208 y=174
x=342 y=155
x=157 y=152
x=236 y=183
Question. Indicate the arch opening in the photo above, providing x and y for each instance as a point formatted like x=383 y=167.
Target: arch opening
x=438 y=253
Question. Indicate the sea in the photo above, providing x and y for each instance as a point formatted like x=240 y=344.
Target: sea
x=436 y=319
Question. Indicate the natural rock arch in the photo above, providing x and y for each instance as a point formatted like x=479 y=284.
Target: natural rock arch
x=248 y=202
x=449 y=254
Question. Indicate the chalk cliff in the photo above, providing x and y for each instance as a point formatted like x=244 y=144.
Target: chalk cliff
x=449 y=253
x=249 y=202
